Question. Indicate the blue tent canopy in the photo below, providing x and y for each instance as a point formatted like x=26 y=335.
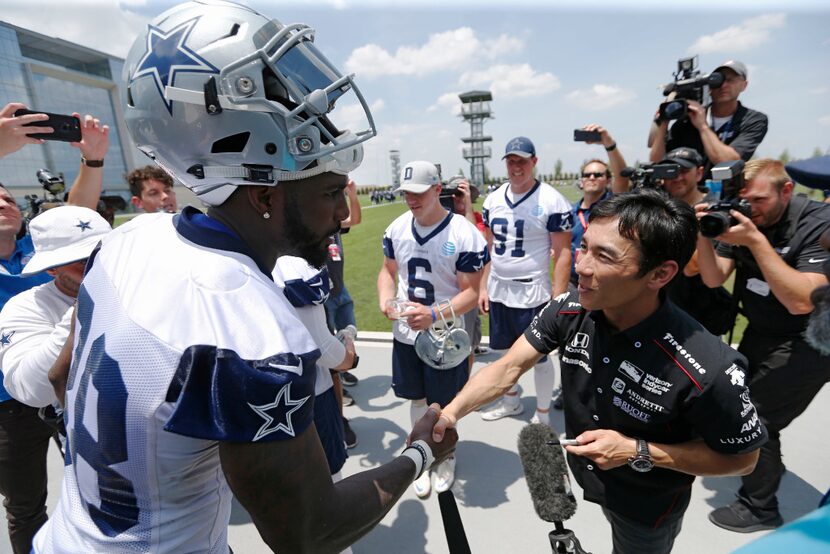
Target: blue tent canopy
x=813 y=172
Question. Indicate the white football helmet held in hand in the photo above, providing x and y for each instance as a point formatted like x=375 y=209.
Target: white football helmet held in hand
x=220 y=96
x=444 y=344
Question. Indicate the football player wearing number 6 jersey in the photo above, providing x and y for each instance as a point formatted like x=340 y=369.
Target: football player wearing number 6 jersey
x=528 y=223
x=430 y=255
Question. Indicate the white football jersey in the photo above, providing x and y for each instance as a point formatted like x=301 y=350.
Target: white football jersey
x=181 y=341
x=520 y=255
x=307 y=288
x=427 y=265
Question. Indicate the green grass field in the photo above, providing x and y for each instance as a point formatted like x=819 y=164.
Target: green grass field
x=364 y=256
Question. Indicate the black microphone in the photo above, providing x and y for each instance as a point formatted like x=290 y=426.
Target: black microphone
x=547 y=479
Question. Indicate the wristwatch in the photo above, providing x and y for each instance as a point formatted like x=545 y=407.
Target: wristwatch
x=641 y=462
x=355 y=361
x=92 y=163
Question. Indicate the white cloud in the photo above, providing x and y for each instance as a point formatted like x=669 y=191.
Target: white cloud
x=511 y=81
x=114 y=37
x=600 y=97
x=824 y=121
x=742 y=37
x=350 y=116
x=449 y=100
x=449 y=50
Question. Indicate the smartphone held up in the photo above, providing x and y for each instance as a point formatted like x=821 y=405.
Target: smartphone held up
x=65 y=128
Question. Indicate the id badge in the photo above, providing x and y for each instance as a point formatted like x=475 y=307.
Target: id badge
x=761 y=288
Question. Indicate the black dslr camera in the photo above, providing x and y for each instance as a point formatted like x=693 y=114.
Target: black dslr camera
x=688 y=84
x=53 y=185
x=648 y=175
x=448 y=191
x=718 y=219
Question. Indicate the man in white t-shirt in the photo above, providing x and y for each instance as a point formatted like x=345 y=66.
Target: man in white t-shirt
x=35 y=323
x=528 y=224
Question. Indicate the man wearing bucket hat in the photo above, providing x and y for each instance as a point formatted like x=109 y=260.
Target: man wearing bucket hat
x=430 y=255
x=34 y=325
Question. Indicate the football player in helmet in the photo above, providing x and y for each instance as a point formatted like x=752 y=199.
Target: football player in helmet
x=199 y=381
x=430 y=255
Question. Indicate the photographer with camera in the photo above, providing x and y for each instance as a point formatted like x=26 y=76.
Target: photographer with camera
x=711 y=307
x=729 y=131
x=24 y=437
x=777 y=259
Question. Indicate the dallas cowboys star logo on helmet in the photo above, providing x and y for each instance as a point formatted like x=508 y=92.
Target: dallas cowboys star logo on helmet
x=84 y=226
x=167 y=55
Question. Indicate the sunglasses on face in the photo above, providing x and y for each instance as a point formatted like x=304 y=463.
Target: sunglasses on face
x=594 y=174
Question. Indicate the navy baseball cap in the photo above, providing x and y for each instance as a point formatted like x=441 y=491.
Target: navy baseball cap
x=684 y=156
x=520 y=146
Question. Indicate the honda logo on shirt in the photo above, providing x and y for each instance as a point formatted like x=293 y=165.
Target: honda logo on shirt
x=580 y=340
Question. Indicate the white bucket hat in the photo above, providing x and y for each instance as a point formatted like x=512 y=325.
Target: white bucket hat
x=64 y=235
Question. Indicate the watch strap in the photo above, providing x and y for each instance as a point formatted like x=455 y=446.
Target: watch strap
x=92 y=163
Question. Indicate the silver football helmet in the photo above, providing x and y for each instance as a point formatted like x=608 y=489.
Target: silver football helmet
x=444 y=344
x=220 y=96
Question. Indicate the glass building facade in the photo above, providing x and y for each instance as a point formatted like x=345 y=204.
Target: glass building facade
x=57 y=76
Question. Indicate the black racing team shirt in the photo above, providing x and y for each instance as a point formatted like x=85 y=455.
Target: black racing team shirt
x=796 y=239
x=665 y=380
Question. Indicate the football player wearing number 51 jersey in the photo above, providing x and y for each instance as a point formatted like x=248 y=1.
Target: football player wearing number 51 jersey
x=430 y=255
x=528 y=224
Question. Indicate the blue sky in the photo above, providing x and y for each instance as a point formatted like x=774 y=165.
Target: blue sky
x=552 y=66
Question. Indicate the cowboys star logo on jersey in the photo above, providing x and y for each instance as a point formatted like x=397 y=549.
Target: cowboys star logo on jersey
x=6 y=339
x=280 y=408
x=167 y=55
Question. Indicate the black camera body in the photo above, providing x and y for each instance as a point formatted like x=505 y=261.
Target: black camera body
x=448 y=191
x=648 y=175
x=53 y=185
x=688 y=84
x=718 y=219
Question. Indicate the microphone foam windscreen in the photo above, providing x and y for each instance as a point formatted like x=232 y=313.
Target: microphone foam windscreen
x=546 y=473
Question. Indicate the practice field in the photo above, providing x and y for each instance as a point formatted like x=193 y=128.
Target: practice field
x=364 y=256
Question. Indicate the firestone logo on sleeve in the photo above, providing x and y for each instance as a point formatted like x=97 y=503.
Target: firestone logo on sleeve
x=683 y=352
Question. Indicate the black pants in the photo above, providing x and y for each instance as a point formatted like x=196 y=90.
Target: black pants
x=24 y=441
x=785 y=376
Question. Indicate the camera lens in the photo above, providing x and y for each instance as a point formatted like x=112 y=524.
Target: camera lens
x=674 y=109
x=714 y=224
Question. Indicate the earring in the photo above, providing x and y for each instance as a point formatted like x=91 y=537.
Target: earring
x=266 y=215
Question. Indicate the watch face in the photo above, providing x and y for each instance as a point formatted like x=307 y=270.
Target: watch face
x=641 y=464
